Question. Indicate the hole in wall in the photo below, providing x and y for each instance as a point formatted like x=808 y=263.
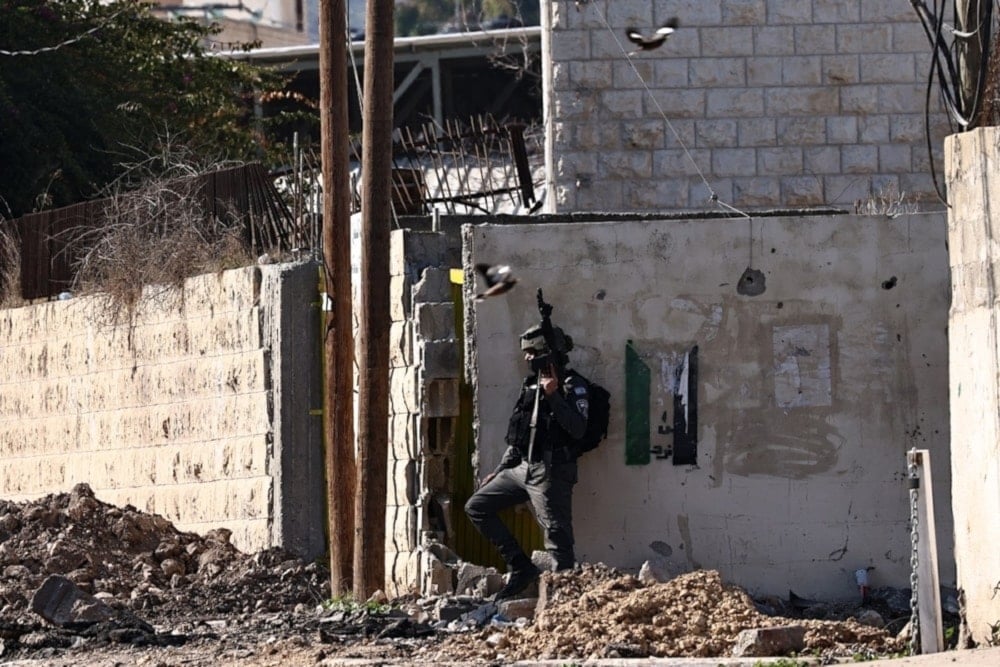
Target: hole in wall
x=751 y=283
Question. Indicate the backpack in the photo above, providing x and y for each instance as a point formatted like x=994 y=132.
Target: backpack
x=598 y=416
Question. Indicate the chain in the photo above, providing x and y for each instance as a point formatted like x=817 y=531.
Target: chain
x=914 y=485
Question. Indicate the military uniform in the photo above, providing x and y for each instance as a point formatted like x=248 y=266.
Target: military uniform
x=539 y=469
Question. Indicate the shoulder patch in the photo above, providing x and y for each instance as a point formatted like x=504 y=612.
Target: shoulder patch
x=580 y=390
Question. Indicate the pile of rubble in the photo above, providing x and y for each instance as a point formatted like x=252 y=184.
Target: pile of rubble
x=599 y=612
x=134 y=580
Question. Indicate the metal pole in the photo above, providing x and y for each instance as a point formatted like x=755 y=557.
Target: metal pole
x=338 y=342
x=373 y=334
x=928 y=587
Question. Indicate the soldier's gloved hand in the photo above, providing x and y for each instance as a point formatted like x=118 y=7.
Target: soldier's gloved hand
x=487 y=479
x=549 y=381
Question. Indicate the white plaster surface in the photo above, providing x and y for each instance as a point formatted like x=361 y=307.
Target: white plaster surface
x=790 y=491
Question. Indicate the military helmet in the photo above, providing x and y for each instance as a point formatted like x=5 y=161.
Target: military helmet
x=533 y=340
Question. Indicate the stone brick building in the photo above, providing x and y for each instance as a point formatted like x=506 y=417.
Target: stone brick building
x=776 y=103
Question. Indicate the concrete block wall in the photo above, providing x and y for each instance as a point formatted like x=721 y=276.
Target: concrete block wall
x=973 y=160
x=197 y=408
x=423 y=405
x=777 y=103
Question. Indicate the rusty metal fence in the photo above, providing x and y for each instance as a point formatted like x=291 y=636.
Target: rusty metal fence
x=244 y=195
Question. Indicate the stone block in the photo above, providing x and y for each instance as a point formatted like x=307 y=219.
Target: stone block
x=477 y=580
x=764 y=71
x=802 y=191
x=402 y=573
x=438 y=435
x=716 y=133
x=402 y=483
x=734 y=161
x=400 y=306
x=400 y=344
x=727 y=41
x=761 y=191
x=756 y=132
x=889 y=68
x=401 y=528
x=403 y=390
x=839 y=70
x=789 y=11
x=717 y=72
x=435 y=320
x=805 y=100
x=735 y=102
x=440 y=398
x=801 y=71
x=785 y=160
x=765 y=642
x=436 y=577
x=518 y=608
x=404 y=436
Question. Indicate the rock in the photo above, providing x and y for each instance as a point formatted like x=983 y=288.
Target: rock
x=871 y=618
x=764 y=642
x=544 y=561
x=60 y=602
x=657 y=571
x=477 y=580
x=172 y=567
x=518 y=608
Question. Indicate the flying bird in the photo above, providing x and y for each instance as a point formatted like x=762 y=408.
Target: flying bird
x=656 y=40
x=499 y=279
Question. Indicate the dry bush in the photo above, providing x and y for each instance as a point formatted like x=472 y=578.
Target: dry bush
x=154 y=236
x=10 y=267
x=888 y=201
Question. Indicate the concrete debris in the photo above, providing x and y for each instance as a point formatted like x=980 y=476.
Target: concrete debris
x=61 y=603
x=763 y=642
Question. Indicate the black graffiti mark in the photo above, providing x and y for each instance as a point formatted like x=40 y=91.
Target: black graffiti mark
x=661 y=452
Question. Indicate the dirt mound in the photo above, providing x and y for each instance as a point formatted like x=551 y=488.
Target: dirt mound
x=203 y=593
x=140 y=561
x=598 y=612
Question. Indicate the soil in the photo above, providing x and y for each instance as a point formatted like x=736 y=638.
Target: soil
x=181 y=598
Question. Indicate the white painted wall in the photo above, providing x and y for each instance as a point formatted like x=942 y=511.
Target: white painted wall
x=791 y=490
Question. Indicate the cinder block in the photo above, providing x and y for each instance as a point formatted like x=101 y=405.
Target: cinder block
x=434 y=285
x=439 y=359
x=436 y=474
x=440 y=398
x=436 y=320
x=437 y=435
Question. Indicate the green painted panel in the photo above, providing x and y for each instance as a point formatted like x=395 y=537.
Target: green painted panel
x=637 y=444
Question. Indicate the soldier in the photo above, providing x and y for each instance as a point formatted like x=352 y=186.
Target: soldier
x=539 y=464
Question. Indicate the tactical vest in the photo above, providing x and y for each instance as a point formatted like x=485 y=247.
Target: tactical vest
x=548 y=432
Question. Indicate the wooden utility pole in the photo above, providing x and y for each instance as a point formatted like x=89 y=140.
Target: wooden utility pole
x=338 y=341
x=373 y=336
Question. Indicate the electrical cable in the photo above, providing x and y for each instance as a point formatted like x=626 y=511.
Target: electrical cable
x=713 y=196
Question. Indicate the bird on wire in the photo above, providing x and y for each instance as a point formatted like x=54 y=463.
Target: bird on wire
x=499 y=279
x=654 y=41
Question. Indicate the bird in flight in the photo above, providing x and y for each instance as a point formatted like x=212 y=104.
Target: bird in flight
x=499 y=279
x=654 y=41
